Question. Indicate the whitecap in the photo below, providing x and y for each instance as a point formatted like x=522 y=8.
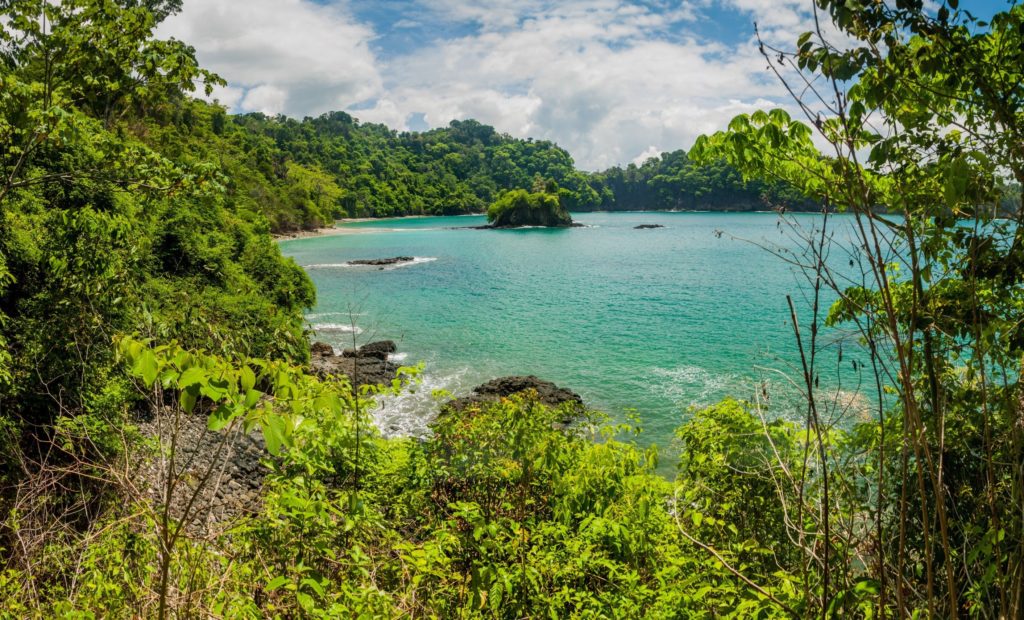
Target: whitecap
x=418 y=260
x=323 y=315
x=346 y=328
x=691 y=385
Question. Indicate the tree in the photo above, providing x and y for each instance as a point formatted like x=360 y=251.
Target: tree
x=922 y=114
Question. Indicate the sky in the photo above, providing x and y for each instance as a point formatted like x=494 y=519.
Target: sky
x=612 y=81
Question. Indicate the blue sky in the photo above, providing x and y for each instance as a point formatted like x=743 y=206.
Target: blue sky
x=613 y=81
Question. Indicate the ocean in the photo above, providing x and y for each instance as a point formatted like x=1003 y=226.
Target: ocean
x=644 y=323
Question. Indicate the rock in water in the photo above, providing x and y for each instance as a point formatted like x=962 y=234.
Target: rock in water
x=647 y=226
x=377 y=262
x=379 y=349
x=321 y=348
x=494 y=390
x=367 y=365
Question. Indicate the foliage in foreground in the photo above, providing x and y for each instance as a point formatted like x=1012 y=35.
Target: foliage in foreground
x=923 y=118
x=502 y=513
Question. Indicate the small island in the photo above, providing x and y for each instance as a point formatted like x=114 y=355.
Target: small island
x=542 y=206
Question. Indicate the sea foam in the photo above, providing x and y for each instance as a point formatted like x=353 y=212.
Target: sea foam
x=410 y=412
x=337 y=327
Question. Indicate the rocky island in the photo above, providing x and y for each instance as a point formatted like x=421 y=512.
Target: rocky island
x=519 y=208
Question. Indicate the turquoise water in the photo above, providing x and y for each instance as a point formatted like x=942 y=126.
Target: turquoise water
x=652 y=320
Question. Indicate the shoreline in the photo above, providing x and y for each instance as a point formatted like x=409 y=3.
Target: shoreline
x=338 y=227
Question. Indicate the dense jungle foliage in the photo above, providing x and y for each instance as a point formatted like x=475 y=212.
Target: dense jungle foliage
x=465 y=167
x=141 y=293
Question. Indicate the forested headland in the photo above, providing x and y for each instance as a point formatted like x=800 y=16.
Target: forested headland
x=334 y=166
x=166 y=449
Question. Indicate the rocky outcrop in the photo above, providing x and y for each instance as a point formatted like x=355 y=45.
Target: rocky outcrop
x=367 y=365
x=647 y=226
x=494 y=390
x=321 y=348
x=380 y=349
x=382 y=262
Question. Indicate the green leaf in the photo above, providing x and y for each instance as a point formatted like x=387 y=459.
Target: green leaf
x=247 y=378
x=276 y=583
x=192 y=376
x=273 y=427
x=188 y=399
x=148 y=367
x=219 y=419
x=314 y=585
x=251 y=398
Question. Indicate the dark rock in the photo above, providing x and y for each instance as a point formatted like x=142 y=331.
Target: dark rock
x=367 y=365
x=379 y=349
x=321 y=348
x=382 y=261
x=647 y=226
x=494 y=390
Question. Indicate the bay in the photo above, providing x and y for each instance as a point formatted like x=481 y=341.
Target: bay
x=644 y=322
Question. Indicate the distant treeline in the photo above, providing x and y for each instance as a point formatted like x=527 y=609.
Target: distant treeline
x=335 y=166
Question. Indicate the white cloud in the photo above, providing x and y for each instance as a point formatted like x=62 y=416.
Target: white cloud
x=594 y=77
x=652 y=151
x=289 y=56
x=606 y=79
x=264 y=98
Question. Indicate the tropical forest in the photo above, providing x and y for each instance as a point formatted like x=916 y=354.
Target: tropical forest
x=262 y=364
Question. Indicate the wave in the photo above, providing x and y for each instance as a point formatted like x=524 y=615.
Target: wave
x=337 y=327
x=323 y=315
x=410 y=412
x=417 y=260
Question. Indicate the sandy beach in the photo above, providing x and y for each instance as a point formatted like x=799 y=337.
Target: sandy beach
x=337 y=229
x=340 y=229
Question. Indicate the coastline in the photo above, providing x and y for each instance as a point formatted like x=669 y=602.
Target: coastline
x=305 y=234
x=338 y=227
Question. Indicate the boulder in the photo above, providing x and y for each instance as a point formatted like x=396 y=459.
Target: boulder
x=367 y=365
x=379 y=349
x=494 y=390
x=647 y=226
x=321 y=349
